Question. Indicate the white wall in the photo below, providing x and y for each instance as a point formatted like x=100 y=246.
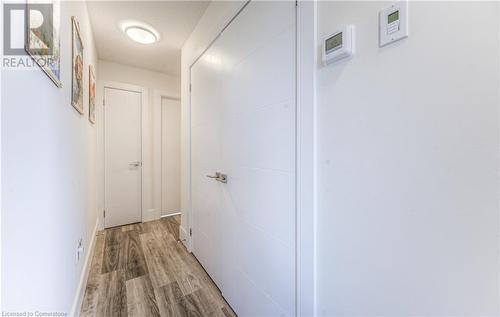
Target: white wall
x=48 y=180
x=407 y=219
x=138 y=76
x=215 y=18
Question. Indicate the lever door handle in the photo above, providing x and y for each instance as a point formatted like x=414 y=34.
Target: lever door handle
x=136 y=164
x=219 y=177
x=222 y=178
x=216 y=176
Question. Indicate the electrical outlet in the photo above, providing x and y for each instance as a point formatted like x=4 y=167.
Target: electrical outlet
x=79 y=250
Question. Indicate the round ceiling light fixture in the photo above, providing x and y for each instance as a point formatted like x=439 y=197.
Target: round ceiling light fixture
x=141 y=35
x=140 y=32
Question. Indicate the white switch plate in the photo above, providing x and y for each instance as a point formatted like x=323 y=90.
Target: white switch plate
x=391 y=32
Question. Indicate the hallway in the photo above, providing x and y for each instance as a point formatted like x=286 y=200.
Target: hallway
x=294 y=158
x=143 y=270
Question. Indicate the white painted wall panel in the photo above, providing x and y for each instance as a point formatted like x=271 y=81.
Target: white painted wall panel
x=49 y=177
x=407 y=219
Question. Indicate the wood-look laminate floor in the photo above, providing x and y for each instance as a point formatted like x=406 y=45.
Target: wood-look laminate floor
x=142 y=270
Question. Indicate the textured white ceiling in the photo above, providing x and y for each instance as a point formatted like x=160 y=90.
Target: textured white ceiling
x=174 y=20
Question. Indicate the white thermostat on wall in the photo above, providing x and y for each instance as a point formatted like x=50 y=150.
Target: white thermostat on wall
x=338 y=45
x=393 y=23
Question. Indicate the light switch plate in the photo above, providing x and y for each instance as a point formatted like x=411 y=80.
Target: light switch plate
x=393 y=23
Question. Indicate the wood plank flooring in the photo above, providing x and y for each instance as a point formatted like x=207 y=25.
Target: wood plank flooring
x=142 y=270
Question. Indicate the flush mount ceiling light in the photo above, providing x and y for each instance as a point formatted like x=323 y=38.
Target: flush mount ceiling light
x=141 y=35
x=140 y=32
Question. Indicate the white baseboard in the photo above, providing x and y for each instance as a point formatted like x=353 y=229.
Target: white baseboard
x=170 y=215
x=82 y=284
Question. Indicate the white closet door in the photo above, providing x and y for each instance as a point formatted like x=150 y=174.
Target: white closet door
x=123 y=158
x=205 y=161
x=171 y=155
x=244 y=90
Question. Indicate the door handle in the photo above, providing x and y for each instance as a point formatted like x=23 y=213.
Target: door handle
x=219 y=177
x=216 y=176
x=135 y=164
x=222 y=178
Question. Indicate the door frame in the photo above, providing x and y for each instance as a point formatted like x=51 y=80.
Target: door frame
x=305 y=182
x=158 y=95
x=101 y=86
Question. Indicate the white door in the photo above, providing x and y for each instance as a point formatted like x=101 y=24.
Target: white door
x=123 y=157
x=170 y=156
x=243 y=125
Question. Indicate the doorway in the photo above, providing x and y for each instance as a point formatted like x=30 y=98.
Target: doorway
x=243 y=127
x=170 y=156
x=122 y=156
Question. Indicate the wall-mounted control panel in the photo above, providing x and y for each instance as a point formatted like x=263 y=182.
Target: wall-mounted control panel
x=393 y=23
x=339 y=45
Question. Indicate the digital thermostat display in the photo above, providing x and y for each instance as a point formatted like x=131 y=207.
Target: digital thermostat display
x=393 y=17
x=333 y=43
x=338 y=44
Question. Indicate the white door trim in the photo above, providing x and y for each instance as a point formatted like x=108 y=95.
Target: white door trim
x=157 y=144
x=145 y=156
x=305 y=155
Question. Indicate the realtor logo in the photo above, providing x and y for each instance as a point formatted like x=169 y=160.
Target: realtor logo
x=36 y=36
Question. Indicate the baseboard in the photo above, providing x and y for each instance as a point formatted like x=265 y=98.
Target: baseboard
x=80 y=291
x=170 y=215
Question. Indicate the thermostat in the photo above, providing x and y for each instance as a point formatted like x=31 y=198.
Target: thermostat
x=338 y=45
x=393 y=23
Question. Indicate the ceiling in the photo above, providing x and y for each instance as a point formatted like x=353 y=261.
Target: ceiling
x=174 y=20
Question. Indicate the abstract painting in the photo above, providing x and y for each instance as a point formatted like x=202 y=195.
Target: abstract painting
x=92 y=92
x=77 y=78
x=43 y=37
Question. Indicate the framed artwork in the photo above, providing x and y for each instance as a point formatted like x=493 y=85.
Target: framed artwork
x=43 y=37
x=92 y=92
x=77 y=65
